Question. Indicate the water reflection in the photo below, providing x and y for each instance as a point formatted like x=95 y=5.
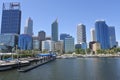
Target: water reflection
x=70 y=69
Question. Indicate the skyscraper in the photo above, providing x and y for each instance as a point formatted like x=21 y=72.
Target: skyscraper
x=92 y=31
x=54 y=30
x=29 y=27
x=102 y=34
x=11 y=18
x=112 y=36
x=41 y=37
x=81 y=33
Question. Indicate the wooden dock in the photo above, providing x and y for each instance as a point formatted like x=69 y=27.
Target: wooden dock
x=35 y=66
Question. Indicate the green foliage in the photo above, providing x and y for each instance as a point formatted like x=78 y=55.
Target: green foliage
x=88 y=50
x=100 y=51
x=108 y=51
x=45 y=51
x=80 y=51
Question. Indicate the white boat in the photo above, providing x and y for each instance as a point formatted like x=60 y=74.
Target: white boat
x=5 y=65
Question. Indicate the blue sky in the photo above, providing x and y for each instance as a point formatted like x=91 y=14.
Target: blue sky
x=69 y=14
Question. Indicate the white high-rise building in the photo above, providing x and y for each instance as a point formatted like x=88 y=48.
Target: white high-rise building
x=81 y=33
x=92 y=32
x=28 y=29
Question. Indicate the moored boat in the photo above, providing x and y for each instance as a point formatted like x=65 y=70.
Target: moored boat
x=6 y=65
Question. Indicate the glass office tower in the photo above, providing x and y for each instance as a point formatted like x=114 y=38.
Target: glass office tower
x=112 y=36
x=55 y=30
x=11 y=18
x=102 y=34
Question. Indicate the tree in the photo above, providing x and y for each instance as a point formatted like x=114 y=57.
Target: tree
x=99 y=51
x=80 y=51
x=77 y=51
x=88 y=50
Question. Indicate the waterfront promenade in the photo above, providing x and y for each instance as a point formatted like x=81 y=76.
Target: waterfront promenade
x=87 y=55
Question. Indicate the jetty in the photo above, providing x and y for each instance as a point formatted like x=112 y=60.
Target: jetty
x=45 y=58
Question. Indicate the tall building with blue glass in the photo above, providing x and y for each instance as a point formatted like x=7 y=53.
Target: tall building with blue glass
x=11 y=18
x=63 y=36
x=112 y=36
x=25 y=42
x=102 y=34
x=54 y=30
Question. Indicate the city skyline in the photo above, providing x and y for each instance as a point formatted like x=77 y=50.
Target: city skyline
x=69 y=15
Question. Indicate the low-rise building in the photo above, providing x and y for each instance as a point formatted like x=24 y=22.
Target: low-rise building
x=25 y=42
x=69 y=44
x=36 y=44
x=48 y=45
x=8 y=41
x=96 y=46
x=59 y=46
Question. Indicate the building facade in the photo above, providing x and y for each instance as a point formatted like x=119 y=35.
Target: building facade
x=41 y=35
x=91 y=44
x=63 y=36
x=25 y=42
x=8 y=41
x=77 y=46
x=59 y=47
x=36 y=44
x=81 y=33
x=69 y=45
x=83 y=45
x=28 y=29
x=112 y=37
x=48 y=38
x=11 y=18
x=92 y=32
x=48 y=45
x=96 y=46
x=54 y=30
x=102 y=34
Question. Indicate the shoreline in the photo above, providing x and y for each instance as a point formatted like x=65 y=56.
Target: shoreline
x=88 y=56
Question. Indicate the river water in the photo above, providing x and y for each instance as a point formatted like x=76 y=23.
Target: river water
x=70 y=69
